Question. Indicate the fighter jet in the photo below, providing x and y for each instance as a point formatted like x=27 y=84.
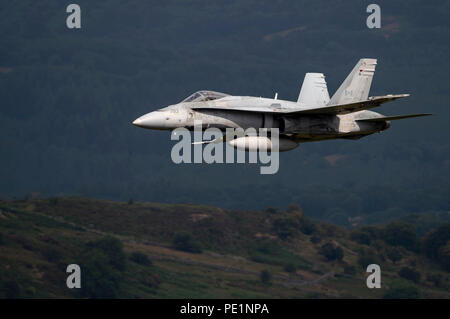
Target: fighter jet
x=313 y=117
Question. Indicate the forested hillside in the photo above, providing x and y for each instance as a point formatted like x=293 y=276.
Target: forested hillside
x=68 y=97
x=150 y=250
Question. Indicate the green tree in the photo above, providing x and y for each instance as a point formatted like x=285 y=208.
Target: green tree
x=307 y=226
x=394 y=254
x=401 y=289
x=331 y=251
x=103 y=263
x=285 y=227
x=436 y=245
x=361 y=237
x=113 y=248
x=367 y=257
x=400 y=234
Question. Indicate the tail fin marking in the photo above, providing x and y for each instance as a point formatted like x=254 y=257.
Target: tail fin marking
x=356 y=86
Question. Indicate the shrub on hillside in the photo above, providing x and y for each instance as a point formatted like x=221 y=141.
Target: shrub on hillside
x=436 y=245
x=315 y=239
x=436 y=279
x=349 y=270
x=409 y=274
x=184 y=241
x=367 y=257
x=265 y=277
x=372 y=231
x=285 y=227
x=401 y=289
x=444 y=256
x=400 y=234
x=113 y=249
x=53 y=255
x=331 y=251
x=361 y=237
x=10 y=289
x=307 y=226
x=294 y=208
x=394 y=254
x=330 y=230
x=290 y=268
x=272 y=210
x=140 y=258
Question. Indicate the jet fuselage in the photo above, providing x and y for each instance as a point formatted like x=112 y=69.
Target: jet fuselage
x=301 y=128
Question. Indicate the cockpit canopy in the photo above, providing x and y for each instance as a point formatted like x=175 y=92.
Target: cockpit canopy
x=201 y=96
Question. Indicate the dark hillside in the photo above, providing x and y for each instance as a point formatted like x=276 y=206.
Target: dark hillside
x=148 y=250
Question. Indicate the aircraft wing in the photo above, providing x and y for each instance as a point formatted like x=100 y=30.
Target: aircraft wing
x=373 y=101
x=392 y=118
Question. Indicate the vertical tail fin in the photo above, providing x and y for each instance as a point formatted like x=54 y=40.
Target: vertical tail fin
x=356 y=86
x=314 y=91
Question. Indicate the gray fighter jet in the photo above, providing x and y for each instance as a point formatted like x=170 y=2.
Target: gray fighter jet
x=313 y=117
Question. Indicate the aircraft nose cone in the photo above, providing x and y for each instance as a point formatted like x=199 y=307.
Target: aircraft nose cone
x=153 y=120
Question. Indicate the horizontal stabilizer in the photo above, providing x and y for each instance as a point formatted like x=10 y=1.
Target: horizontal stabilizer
x=392 y=118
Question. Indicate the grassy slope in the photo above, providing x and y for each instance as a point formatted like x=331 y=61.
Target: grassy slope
x=40 y=237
